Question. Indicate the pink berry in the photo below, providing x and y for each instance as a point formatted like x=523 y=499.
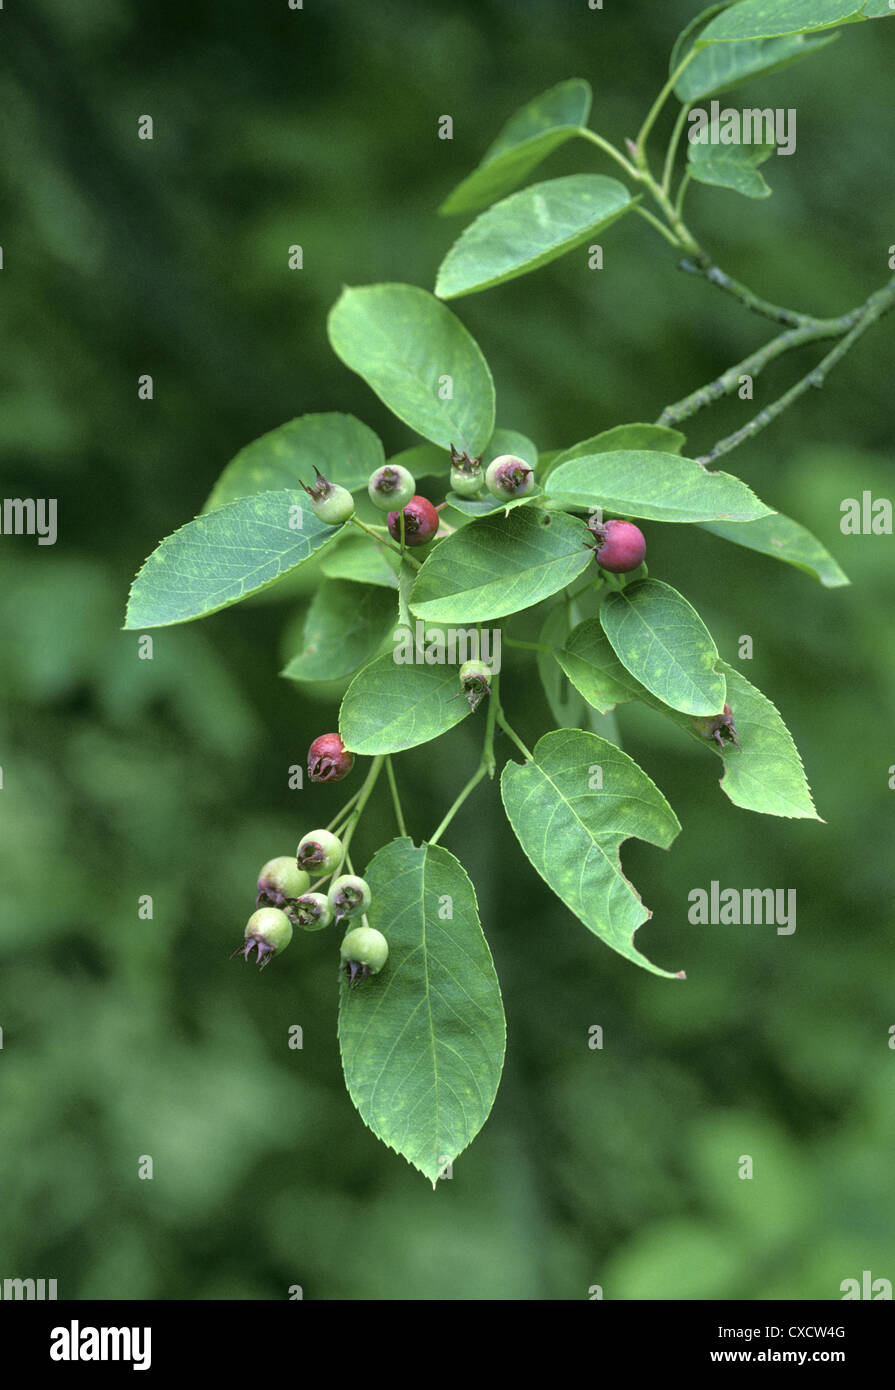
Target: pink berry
x=620 y=546
x=328 y=759
x=420 y=522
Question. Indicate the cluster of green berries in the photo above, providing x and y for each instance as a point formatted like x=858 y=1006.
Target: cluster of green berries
x=285 y=899
x=505 y=477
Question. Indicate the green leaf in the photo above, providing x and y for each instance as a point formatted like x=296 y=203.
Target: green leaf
x=785 y=540
x=528 y=137
x=391 y=705
x=764 y=775
x=730 y=166
x=654 y=486
x=666 y=646
x=878 y=9
x=500 y=565
x=487 y=505
x=529 y=229
x=423 y=1041
x=572 y=831
x=360 y=560
x=566 y=704
x=405 y=343
x=345 y=626
x=720 y=67
x=767 y=19
x=686 y=38
x=620 y=437
x=596 y=672
x=344 y=449
x=223 y=556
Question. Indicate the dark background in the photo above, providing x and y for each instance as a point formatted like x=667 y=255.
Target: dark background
x=124 y=1037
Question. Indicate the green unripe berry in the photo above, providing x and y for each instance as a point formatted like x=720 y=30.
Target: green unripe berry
x=319 y=852
x=391 y=488
x=268 y=931
x=330 y=503
x=475 y=682
x=279 y=881
x=348 y=896
x=466 y=484
x=335 y=508
x=508 y=476
x=364 y=952
x=311 y=911
x=467 y=478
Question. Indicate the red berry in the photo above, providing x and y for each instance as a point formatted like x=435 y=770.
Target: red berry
x=420 y=522
x=329 y=759
x=620 y=546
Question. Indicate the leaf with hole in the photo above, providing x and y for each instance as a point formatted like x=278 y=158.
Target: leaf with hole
x=764 y=774
x=571 y=809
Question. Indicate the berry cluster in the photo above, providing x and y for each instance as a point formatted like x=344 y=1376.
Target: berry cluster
x=505 y=477
x=285 y=899
x=413 y=520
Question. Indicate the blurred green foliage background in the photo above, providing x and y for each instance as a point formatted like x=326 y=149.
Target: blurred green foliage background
x=124 y=1037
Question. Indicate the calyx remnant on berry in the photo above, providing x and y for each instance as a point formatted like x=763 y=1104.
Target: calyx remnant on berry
x=319 y=852
x=475 y=682
x=620 y=546
x=420 y=522
x=348 y=895
x=280 y=882
x=364 y=952
x=330 y=502
x=509 y=476
x=719 y=727
x=467 y=477
x=267 y=932
x=391 y=486
x=311 y=911
x=328 y=759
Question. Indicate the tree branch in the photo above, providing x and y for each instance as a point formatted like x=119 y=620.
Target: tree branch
x=816 y=330
x=876 y=307
x=716 y=276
